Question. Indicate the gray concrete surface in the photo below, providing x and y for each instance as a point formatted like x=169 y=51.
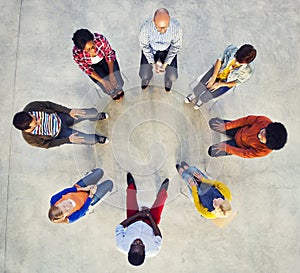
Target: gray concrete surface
x=150 y=131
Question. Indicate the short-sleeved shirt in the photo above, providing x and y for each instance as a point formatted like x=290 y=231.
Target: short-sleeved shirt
x=138 y=230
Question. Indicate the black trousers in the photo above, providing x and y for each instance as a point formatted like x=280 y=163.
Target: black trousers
x=146 y=69
x=102 y=70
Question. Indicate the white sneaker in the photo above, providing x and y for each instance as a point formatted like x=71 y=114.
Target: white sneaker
x=189 y=98
x=198 y=104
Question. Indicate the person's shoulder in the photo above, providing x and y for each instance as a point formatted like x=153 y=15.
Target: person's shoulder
x=76 y=50
x=264 y=119
x=98 y=35
x=231 y=47
x=147 y=23
x=30 y=106
x=174 y=22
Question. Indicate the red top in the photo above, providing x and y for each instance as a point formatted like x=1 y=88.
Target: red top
x=247 y=137
x=103 y=50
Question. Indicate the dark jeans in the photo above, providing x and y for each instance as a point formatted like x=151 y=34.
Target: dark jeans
x=102 y=70
x=67 y=121
x=146 y=72
x=230 y=133
x=201 y=92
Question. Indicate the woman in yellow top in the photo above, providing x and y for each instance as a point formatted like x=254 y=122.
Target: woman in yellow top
x=211 y=197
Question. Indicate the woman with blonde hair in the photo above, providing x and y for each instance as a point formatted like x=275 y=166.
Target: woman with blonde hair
x=72 y=203
x=211 y=197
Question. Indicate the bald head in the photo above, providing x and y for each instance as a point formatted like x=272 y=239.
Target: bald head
x=161 y=20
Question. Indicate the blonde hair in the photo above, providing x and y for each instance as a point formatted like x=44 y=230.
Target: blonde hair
x=224 y=210
x=56 y=215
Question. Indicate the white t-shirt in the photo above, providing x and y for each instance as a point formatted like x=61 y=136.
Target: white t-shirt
x=138 y=230
x=96 y=59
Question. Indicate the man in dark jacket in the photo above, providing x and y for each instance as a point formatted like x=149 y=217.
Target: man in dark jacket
x=46 y=124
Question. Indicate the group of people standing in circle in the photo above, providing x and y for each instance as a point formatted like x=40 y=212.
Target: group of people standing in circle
x=46 y=124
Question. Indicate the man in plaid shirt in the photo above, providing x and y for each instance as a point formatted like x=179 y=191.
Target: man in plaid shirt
x=94 y=55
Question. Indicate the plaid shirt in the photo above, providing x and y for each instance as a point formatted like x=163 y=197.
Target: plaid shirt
x=103 y=50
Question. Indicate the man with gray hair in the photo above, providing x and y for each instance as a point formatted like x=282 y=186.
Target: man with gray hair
x=160 y=40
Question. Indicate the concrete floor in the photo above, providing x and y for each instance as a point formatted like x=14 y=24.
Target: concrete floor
x=150 y=131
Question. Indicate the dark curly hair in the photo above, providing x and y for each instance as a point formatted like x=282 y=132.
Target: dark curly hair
x=81 y=37
x=276 y=135
x=22 y=120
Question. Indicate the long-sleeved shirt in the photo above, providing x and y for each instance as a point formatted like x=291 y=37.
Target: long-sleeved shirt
x=239 y=74
x=152 y=40
x=81 y=199
x=138 y=230
x=44 y=141
x=246 y=137
x=221 y=187
x=103 y=50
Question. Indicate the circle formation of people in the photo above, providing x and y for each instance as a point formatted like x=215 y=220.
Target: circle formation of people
x=46 y=124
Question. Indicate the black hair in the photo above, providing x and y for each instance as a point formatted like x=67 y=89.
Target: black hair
x=245 y=54
x=81 y=37
x=276 y=135
x=136 y=258
x=22 y=120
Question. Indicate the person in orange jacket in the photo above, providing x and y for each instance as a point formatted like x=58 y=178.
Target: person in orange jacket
x=251 y=136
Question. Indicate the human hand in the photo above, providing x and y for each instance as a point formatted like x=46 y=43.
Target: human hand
x=113 y=81
x=107 y=85
x=215 y=86
x=144 y=212
x=191 y=182
x=76 y=112
x=93 y=189
x=219 y=126
x=210 y=82
x=76 y=139
x=199 y=176
x=87 y=188
x=159 y=67
x=219 y=147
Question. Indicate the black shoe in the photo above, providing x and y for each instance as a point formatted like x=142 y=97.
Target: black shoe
x=119 y=96
x=130 y=180
x=177 y=167
x=103 y=140
x=168 y=86
x=164 y=185
x=102 y=116
x=145 y=84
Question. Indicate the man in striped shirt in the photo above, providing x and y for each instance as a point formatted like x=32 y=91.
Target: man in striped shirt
x=160 y=40
x=46 y=124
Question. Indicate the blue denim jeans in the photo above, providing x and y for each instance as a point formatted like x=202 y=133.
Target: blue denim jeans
x=201 y=187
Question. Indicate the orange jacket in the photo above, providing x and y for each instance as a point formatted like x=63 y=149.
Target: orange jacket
x=246 y=137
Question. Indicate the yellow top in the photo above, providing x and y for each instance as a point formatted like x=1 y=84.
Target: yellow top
x=218 y=185
x=224 y=74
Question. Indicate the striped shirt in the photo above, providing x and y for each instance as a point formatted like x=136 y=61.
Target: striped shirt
x=49 y=124
x=152 y=41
